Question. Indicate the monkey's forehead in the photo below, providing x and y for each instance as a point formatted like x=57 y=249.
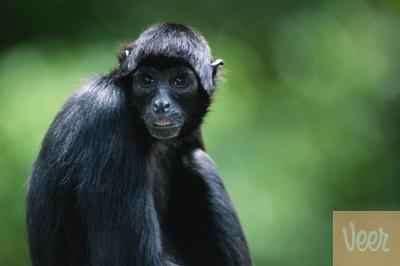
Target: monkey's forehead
x=163 y=62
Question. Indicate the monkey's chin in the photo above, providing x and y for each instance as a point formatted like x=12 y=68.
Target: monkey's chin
x=164 y=133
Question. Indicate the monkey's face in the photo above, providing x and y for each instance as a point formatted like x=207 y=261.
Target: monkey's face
x=167 y=96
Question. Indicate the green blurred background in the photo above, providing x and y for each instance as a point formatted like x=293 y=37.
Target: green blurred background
x=305 y=122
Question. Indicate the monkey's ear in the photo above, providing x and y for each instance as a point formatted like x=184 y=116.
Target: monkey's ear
x=125 y=59
x=216 y=66
x=217 y=62
x=124 y=53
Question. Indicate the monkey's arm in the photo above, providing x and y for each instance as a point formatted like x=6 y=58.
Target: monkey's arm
x=46 y=209
x=224 y=220
x=89 y=178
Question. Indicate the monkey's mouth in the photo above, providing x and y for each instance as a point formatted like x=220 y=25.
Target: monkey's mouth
x=163 y=123
x=164 y=129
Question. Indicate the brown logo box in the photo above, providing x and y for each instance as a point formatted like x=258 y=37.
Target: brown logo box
x=367 y=238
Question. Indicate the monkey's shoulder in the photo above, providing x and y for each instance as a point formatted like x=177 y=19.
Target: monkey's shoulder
x=199 y=160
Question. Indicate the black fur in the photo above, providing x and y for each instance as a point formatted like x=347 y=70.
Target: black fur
x=103 y=192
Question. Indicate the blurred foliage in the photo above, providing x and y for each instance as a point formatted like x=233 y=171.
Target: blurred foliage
x=305 y=122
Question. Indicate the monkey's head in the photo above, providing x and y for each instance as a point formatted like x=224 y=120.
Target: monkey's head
x=171 y=77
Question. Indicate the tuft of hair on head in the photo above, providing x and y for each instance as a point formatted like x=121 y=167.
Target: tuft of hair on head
x=175 y=41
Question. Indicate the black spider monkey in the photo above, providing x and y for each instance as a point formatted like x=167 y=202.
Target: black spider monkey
x=122 y=178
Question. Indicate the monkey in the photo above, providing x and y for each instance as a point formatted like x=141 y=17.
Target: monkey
x=123 y=178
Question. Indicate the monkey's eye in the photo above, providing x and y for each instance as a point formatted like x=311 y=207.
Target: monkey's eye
x=180 y=81
x=146 y=80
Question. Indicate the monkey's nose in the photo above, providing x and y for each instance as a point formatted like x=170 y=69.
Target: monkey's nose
x=161 y=106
